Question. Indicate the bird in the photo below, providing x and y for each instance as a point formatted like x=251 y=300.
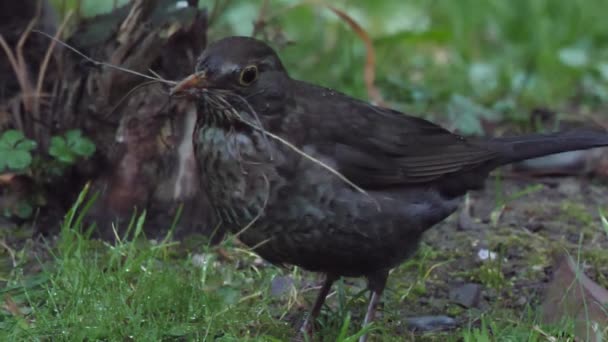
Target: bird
x=306 y=175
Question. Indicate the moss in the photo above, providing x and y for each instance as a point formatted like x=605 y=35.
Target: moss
x=576 y=212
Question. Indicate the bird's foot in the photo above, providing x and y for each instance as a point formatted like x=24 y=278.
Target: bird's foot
x=431 y=323
x=306 y=332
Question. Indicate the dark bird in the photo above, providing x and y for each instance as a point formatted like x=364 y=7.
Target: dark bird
x=308 y=176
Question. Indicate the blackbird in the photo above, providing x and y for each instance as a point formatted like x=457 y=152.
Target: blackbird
x=308 y=176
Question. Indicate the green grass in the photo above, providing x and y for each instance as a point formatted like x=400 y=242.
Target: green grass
x=145 y=290
x=457 y=61
x=522 y=328
x=148 y=291
x=138 y=290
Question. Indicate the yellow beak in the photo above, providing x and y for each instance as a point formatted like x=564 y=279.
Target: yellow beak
x=196 y=80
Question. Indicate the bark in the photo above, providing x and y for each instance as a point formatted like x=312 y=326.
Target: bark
x=143 y=158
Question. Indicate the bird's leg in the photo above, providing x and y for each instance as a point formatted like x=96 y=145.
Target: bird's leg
x=376 y=284
x=308 y=326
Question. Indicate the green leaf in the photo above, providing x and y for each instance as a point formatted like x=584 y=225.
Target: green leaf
x=26 y=145
x=11 y=137
x=57 y=145
x=79 y=144
x=24 y=210
x=60 y=150
x=18 y=160
x=83 y=147
x=14 y=150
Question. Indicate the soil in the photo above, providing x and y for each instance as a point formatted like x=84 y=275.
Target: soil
x=526 y=234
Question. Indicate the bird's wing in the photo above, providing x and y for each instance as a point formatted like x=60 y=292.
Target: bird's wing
x=376 y=147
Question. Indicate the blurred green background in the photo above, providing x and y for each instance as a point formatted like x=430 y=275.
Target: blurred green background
x=466 y=59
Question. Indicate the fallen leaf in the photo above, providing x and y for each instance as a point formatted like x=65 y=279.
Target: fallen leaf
x=573 y=295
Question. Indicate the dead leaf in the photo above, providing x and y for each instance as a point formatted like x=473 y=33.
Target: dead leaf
x=11 y=306
x=369 y=71
x=573 y=295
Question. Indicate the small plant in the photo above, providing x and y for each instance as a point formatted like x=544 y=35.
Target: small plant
x=15 y=151
x=490 y=274
x=18 y=154
x=70 y=146
x=480 y=334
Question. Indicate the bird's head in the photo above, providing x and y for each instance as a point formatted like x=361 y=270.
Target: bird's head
x=240 y=71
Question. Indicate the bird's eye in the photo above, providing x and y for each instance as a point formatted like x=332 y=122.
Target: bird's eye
x=248 y=75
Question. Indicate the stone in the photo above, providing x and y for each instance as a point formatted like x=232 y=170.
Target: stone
x=466 y=295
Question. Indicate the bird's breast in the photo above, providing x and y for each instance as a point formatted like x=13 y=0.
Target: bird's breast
x=292 y=210
x=237 y=172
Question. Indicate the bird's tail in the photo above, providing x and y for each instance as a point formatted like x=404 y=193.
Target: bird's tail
x=514 y=149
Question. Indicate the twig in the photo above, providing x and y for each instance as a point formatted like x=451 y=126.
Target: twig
x=217 y=8
x=260 y=22
x=11 y=60
x=260 y=128
x=44 y=65
x=260 y=212
x=10 y=251
x=311 y=158
x=98 y=63
x=20 y=69
x=369 y=71
x=129 y=93
x=155 y=74
x=28 y=89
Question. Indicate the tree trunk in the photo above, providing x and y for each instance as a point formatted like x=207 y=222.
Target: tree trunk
x=143 y=142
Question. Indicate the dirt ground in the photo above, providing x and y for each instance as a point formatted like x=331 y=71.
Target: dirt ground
x=540 y=218
x=521 y=240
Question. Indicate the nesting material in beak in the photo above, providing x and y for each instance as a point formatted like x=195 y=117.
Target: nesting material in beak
x=195 y=81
